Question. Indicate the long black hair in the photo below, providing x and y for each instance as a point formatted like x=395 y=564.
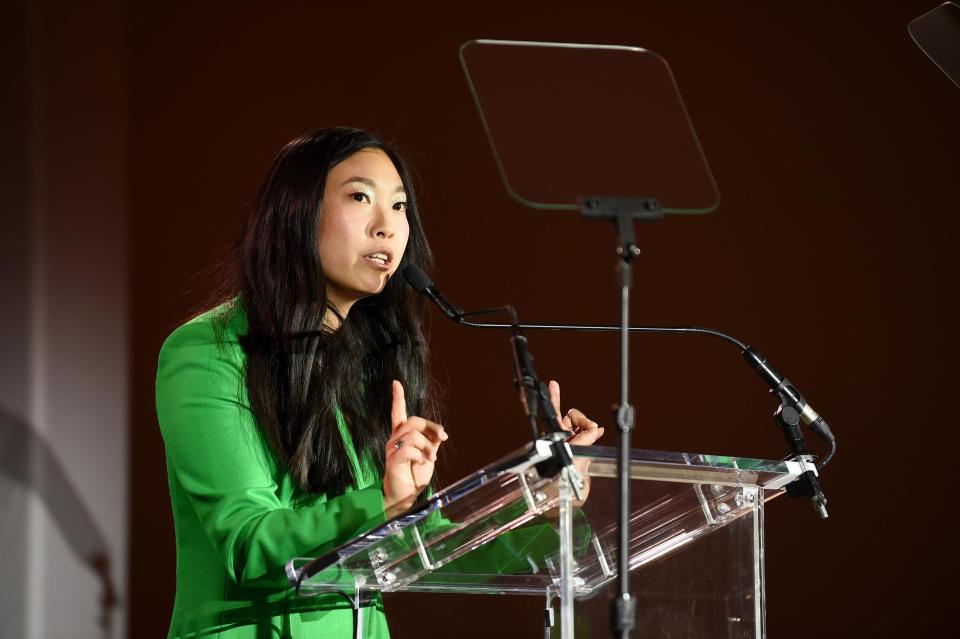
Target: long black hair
x=298 y=371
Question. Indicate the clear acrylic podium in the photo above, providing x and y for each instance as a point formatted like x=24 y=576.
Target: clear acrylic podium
x=513 y=527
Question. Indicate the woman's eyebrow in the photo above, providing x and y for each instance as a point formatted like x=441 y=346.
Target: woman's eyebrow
x=370 y=183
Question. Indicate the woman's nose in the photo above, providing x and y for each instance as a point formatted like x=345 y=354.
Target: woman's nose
x=383 y=223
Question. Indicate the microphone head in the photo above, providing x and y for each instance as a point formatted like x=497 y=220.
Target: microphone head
x=416 y=278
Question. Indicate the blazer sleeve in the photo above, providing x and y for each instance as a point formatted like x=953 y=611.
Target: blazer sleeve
x=227 y=472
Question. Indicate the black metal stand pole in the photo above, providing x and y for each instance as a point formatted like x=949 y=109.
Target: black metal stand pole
x=623 y=608
x=623 y=212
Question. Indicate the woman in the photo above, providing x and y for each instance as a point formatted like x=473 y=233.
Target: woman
x=284 y=410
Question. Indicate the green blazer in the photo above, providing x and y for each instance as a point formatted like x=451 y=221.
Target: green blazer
x=237 y=516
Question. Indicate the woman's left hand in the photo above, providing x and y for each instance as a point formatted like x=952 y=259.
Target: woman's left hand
x=585 y=432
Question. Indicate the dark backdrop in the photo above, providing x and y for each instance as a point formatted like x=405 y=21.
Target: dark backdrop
x=834 y=142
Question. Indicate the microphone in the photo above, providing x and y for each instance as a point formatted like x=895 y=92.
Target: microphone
x=535 y=393
x=526 y=376
x=788 y=394
x=421 y=283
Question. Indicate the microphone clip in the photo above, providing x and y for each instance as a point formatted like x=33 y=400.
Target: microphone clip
x=787 y=418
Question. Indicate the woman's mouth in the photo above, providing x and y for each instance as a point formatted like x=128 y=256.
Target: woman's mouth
x=379 y=260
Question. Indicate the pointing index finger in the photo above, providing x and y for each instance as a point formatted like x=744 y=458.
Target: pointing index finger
x=398 y=410
x=555 y=400
x=555 y=395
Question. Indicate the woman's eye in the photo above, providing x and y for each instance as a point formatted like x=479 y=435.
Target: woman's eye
x=360 y=196
x=400 y=206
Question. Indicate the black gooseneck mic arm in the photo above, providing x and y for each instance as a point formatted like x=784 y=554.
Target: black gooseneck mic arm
x=534 y=395
x=779 y=385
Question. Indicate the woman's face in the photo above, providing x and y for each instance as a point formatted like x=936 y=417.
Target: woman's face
x=363 y=227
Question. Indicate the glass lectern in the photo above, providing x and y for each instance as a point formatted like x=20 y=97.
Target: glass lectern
x=513 y=527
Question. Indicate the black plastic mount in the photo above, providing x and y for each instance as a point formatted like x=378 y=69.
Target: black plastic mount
x=623 y=212
x=640 y=209
x=623 y=614
x=807 y=484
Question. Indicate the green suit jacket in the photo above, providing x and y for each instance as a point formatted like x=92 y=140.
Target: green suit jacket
x=237 y=515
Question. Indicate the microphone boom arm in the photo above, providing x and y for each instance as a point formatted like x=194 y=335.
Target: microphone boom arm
x=791 y=401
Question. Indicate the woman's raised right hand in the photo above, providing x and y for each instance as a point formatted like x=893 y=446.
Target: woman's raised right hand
x=411 y=453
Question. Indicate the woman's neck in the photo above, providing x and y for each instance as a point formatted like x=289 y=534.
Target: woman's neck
x=332 y=321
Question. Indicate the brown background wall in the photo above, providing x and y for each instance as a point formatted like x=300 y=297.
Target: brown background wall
x=833 y=140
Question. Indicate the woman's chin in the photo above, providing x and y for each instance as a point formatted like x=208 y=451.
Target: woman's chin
x=382 y=284
x=362 y=288
x=369 y=289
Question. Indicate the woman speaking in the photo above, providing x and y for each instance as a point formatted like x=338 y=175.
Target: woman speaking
x=297 y=413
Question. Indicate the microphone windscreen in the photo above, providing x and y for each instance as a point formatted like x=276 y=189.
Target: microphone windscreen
x=416 y=278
